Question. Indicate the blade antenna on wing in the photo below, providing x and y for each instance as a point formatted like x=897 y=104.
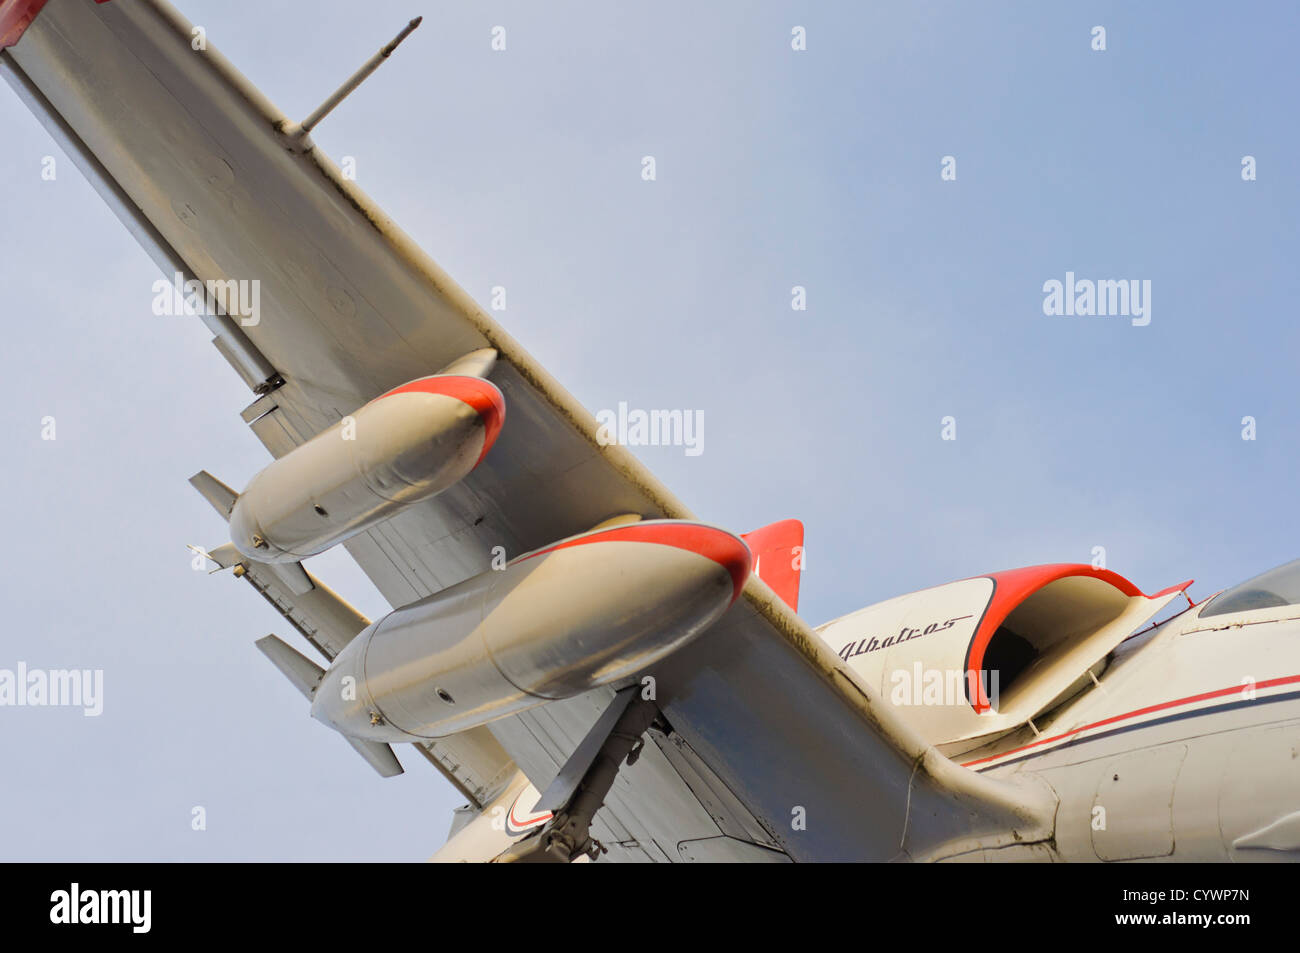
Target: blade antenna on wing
x=355 y=80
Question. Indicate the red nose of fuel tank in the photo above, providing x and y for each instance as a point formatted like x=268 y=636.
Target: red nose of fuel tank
x=723 y=548
x=478 y=393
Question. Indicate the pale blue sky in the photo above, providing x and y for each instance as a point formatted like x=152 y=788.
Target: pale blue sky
x=775 y=169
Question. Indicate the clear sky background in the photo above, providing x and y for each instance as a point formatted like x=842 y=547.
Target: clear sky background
x=775 y=168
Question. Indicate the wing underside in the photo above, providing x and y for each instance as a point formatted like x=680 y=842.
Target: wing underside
x=770 y=741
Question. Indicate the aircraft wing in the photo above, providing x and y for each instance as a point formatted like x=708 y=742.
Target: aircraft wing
x=772 y=744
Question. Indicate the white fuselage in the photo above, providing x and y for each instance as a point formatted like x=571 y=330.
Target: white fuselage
x=1187 y=749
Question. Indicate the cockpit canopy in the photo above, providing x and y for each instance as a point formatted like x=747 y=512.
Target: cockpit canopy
x=1277 y=587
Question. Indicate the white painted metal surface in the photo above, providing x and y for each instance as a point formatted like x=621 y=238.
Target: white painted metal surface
x=1195 y=724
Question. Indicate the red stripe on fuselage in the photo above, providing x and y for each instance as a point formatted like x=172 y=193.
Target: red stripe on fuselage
x=1137 y=713
x=521 y=826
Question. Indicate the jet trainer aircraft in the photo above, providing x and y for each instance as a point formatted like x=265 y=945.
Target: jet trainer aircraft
x=625 y=686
